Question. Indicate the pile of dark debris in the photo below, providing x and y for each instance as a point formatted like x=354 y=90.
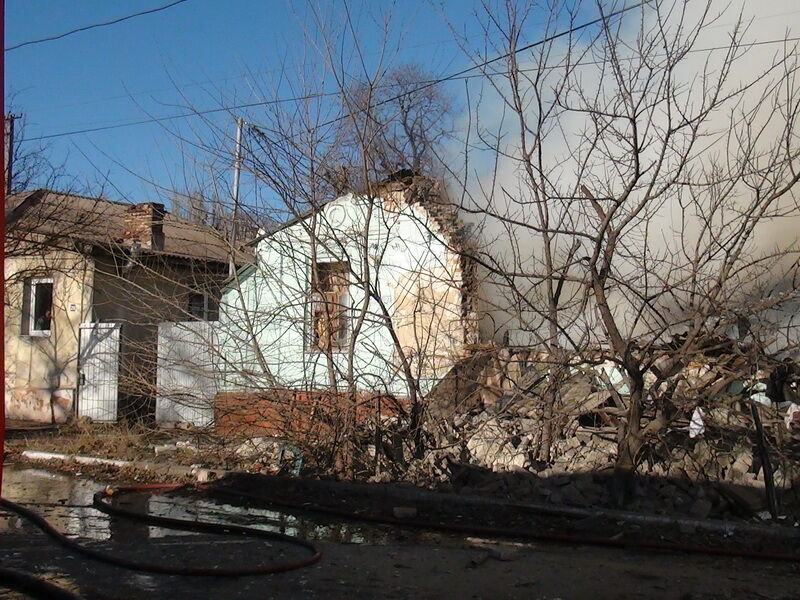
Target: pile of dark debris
x=706 y=459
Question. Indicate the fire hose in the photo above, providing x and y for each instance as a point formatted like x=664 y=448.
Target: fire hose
x=100 y=502
x=40 y=589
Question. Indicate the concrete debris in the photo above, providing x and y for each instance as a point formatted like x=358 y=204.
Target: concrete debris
x=513 y=433
x=257 y=447
x=792 y=418
x=492 y=446
x=612 y=377
x=163 y=448
x=174 y=447
x=696 y=425
x=759 y=393
x=495 y=452
x=270 y=454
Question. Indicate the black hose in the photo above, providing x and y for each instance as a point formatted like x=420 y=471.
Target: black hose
x=11 y=578
x=181 y=524
x=518 y=533
x=33 y=586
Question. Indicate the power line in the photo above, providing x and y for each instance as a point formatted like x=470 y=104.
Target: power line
x=460 y=75
x=95 y=25
x=463 y=72
x=181 y=116
x=412 y=46
x=195 y=83
x=310 y=96
x=423 y=85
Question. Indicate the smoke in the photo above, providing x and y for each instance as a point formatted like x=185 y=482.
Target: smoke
x=723 y=162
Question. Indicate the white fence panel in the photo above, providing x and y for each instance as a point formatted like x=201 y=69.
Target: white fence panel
x=98 y=365
x=186 y=383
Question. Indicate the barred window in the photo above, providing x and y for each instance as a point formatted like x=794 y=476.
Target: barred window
x=202 y=307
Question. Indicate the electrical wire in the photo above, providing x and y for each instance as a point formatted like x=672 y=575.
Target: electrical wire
x=180 y=116
x=411 y=46
x=94 y=26
x=421 y=87
x=317 y=95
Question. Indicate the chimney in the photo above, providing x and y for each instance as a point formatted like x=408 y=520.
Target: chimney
x=145 y=222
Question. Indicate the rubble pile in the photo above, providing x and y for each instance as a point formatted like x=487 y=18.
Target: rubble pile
x=266 y=455
x=703 y=461
x=587 y=489
x=497 y=457
x=509 y=442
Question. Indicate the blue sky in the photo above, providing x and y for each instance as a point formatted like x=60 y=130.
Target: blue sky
x=201 y=53
x=204 y=54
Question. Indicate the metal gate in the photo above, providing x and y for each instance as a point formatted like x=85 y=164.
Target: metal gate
x=98 y=365
x=186 y=376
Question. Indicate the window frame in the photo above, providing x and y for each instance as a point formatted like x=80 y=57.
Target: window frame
x=312 y=343
x=29 y=308
x=208 y=309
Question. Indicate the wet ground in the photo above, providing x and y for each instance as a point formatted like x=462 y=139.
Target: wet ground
x=66 y=502
x=359 y=561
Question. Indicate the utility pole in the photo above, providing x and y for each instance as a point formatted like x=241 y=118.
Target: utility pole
x=8 y=148
x=217 y=214
x=237 y=169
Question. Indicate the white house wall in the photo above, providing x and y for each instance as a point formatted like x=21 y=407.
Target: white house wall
x=263 y=320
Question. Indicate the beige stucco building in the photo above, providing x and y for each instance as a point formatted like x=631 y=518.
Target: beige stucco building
x=75 y=263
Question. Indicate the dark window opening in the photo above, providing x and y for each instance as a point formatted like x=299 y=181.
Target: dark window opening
x=591 y=420
x=197 y=306
x=202 y=307
x=330 y=306
x=38 y=306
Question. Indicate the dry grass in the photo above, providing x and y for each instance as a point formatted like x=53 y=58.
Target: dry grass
x=119 y=440
x=139 y=443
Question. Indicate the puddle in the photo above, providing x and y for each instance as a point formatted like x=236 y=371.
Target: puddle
x=65 y=501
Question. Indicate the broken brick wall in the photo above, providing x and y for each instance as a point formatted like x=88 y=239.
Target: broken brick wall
x=299 y=415
x=428 y=194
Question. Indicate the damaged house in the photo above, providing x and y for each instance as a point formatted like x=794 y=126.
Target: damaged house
x=87 y=282
x=371 y=295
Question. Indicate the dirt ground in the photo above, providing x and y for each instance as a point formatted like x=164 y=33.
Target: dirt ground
x=358 y=561
x=125 y=442
x=416 y=571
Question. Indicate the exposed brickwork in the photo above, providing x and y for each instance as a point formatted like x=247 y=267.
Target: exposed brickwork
x=302 y=416
x=427 y=194
x=145 y=222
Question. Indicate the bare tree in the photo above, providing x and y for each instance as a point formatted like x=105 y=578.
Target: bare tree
x=620 y=177
x=316 y=295
x=193 y=207
x=637 y=173
x=400 y=121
